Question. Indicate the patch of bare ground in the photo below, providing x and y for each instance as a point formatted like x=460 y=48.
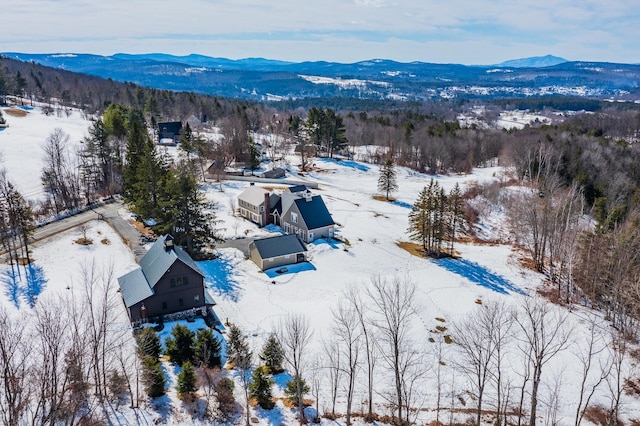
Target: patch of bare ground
x=466 y=239
x=383 y=198
x=84 y=241
x=142 y=228
x=16 y=112
x=22 y=261
x=105 y=241
x=412 y=248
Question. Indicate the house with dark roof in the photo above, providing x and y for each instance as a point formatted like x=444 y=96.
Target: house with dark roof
x=306 y=216
x=297 y=211
x=167 y=285
x=277 y=251
x=169 y=132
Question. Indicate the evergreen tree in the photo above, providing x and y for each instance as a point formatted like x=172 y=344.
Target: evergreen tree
x=387 y=181
x=152 y=377
x=456 y=215
x=207 y=349
x=254 y=156
x=420 y=220
x=148 y=342
x=260 y=387
x=179 y=347
x=186 y=380
x=143 y=170
x=335 y=132
x=185 y=213
x=20 y=84
x=435 y=217
x=272 y=354
x=291 y=390
x=237 y=345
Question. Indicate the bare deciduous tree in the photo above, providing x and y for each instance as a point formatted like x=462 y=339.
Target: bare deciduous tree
x=392 y=302
x=595 y=345
x=347 y=332
x=543 y=333
x=371 y=354
x=479 y=336
x=294 y=335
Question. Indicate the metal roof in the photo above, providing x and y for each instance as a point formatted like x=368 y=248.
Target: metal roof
x=279 y=246
x=208 y=298
x=157 y=261
x=134 y=287
x=138 y=284
x=314 y=212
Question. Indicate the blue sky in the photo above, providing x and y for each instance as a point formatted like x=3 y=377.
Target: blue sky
x=441 y=31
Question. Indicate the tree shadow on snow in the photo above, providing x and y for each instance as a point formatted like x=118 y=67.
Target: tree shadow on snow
x=35 y=283
x=219 y=276
x=28 y=283
x=11 y=283
x=478 y=274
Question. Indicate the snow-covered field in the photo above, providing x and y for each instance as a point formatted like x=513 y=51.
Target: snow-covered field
x=21 y=144
x=447 y=291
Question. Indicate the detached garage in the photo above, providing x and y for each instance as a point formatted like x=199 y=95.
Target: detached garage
x=276 y=251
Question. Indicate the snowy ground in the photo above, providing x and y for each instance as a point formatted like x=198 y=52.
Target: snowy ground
x=447 y=290
x=21 y=145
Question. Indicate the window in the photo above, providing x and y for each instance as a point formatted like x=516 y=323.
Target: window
x=294 y=217
x=164 y=305
x=180 y=302
x=196 y=298
x=178 y=281
x=310 y=236
x=261 y=209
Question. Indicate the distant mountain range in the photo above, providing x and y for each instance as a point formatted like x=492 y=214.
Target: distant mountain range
x=533 y=62
x=265 y=79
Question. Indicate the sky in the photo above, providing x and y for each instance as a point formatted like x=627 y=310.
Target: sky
x=440 y=31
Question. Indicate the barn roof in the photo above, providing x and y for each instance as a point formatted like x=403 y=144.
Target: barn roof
x=138 y=284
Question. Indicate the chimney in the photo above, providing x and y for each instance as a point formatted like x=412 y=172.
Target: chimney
x=168 y=243
x=266 y=211
x=307 y=195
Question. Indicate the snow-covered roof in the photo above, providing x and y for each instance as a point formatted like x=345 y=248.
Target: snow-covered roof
x=253 y=195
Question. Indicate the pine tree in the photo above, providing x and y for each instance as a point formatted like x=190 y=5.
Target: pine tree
x=185 y=213
x=456 y=215
x=272 y=354
x=387 y=181
x=291 y=390
x=179 y=347
x=143 y=170
x=260 y=387
x=148 y=342
x=420 y=220
x=254 y=156
x=207 y=349
x=186 y=380
x=237 y=345
x=152 y=377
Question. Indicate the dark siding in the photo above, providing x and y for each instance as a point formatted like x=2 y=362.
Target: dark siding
x=171 y=296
